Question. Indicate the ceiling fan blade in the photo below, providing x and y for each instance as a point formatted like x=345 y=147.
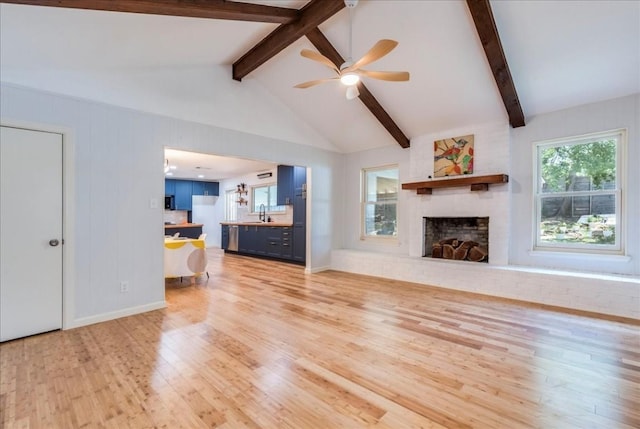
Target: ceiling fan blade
x=314 y=82
x=379 y=50
x=394 y=76
x=315 y=56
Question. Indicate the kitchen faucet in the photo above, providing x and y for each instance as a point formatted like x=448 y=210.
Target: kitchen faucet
x=263 y=213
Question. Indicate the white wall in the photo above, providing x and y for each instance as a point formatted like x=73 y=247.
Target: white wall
x=513 y=272
x=117 y=168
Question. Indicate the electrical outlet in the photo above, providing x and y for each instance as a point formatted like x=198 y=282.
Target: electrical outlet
x=124 y=287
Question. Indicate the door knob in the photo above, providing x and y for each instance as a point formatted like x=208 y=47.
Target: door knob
x=54 y=242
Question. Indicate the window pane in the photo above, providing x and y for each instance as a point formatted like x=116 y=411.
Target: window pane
x=379 y=201
x=578 y=167
x=273 y=197
x=382 y=185
x=260 y=196
x=380 y=219
x=561 y=226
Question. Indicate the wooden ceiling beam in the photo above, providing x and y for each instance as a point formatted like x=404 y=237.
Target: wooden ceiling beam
x=325 y=47
x=213 y=9
x=310 y=16
x=488 y=32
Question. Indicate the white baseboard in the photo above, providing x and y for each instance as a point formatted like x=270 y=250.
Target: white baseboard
x=316 y=270
x=116 y=314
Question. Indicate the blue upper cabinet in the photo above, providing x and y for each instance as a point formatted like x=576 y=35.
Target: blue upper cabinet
x=211 y=188
x=169 y=186
x=184 y=189
x=197 y=188
x=285 y=185
x=206 y=188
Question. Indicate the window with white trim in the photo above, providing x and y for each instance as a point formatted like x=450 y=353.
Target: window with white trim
x=379 y=202
x=578 y=197
x=265 y=196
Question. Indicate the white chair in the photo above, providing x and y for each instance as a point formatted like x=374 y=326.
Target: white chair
x=176 y=235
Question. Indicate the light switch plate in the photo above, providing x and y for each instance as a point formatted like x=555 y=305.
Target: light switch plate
x=153 y=203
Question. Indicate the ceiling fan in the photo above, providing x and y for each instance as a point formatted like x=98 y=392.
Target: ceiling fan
x=350 y=72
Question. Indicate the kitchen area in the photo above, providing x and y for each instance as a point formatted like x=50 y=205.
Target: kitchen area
x=243 y=207
x=279 y=231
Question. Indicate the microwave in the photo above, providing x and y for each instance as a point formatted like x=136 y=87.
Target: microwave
x=169 y=202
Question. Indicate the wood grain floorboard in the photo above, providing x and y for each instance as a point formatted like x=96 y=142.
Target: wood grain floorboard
x=262 y=345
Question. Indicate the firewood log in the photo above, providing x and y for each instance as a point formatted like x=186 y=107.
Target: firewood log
x=477 y=254
x=461 y=251
x=447 y=241
x=436 y=251
x=447 y=251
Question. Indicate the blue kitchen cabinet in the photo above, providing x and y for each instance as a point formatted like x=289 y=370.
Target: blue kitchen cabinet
x=224 y=242
x=197 y=188
x=245 y=241
x=286 y=242
x=184 y=189
x=273 y=241
x=206 y=188
x=248 y=240
x=285 y=185
x=169 y=186
x=299 y=248
x=260 y=243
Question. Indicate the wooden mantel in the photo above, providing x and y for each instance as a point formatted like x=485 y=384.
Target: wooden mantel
x=477 y=183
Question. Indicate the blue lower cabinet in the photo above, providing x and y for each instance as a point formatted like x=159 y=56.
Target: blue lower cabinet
x=224 y=241
x=286 y=243
x=269 y=241
x=299 y=243
x=245 y=241
x=274 y=241
x=261 y=240
x=189 y=232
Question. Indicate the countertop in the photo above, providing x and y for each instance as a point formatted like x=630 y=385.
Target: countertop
x=257 y=223
x=184 y=225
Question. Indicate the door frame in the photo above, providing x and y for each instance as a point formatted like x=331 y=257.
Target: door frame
x=68 y=210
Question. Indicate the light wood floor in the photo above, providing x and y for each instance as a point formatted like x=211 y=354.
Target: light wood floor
x=261 y=345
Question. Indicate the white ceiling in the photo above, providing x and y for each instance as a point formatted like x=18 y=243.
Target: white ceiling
x=207 y=167
x=561 y=54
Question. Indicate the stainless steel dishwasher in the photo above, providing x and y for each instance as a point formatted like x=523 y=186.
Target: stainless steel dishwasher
x=233 y=238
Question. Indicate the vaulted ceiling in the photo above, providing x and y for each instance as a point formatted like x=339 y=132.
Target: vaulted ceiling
x=185 y=58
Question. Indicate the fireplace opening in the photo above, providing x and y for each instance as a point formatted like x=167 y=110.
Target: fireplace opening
x=457 y=238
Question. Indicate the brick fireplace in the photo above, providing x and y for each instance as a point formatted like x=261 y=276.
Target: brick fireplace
x=458 y=238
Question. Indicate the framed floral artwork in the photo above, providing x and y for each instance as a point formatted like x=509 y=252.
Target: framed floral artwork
x=453 y=156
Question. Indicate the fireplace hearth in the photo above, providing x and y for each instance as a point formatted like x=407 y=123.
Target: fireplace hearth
x=457 y=238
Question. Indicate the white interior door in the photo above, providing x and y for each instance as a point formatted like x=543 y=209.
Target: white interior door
x=30 y=232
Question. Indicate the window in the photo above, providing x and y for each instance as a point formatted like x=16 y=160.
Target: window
x=577 y=195
x=266 y=195
x=379 y=202
x=230 y=201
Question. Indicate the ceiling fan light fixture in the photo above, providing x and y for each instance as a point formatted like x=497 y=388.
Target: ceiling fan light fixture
x=349 y=79
x=352 y=92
